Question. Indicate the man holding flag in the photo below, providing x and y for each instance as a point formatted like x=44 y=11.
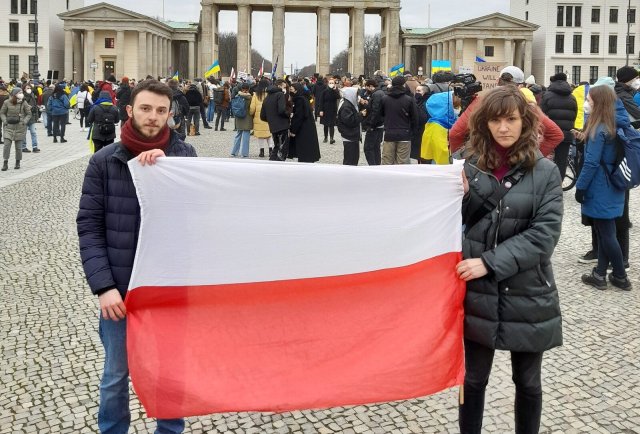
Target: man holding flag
x=109 y=201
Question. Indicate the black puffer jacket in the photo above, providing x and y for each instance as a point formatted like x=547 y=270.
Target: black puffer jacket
x=374 y=117
x=102 y=114
x=560 y=105
x=349 y=119
x=400 y=115
x=516 y=306
x=625 y=94
x=109 y=217
x=274 y=110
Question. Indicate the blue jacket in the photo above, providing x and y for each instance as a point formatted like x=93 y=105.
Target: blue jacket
x=109 y=217
x=58 y=106
x=601 y=199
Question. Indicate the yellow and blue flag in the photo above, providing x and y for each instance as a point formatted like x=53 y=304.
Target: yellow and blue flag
x=215 y=67
x=440 y=65
x=398 y=69
x=176 y=76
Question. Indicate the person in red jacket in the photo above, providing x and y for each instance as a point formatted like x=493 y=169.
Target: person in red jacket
x=550 y=135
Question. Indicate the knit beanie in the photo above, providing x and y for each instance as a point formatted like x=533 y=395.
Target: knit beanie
x=626 y=74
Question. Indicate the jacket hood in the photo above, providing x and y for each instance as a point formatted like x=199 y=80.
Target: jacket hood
x=440 y=108
x=622 y=87
x=273 y=89
x=397 y=91
x=560 y=87
x=351 y=95
x=622 y=116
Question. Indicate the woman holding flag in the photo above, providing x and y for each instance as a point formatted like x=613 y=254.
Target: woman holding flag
x=512 y=211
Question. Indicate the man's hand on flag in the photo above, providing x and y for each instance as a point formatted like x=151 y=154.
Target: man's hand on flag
x=112 y=306
x=470 y=269
x=149 y=157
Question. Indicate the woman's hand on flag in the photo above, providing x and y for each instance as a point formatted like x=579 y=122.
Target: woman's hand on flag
x=470 y=269
x=112 y=306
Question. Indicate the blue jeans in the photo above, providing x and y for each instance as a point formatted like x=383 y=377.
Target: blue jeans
x=241 y=136
x=34 y=137
x=114 y=415
x=211 y=111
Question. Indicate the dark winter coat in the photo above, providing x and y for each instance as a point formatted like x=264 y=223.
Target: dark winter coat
x=124 y=99
x=58 y=104
x=349 y=119
x=274 y=110
x=400 y=115
x=601 y=199
x=423 y=117
x=329 y=106
x=194 y=98
x=101 y=114
x=516 y=306
x=374 y=117
x=560 y=105
x=109 y=217
x=625 y=94
x=305 y=144
x=21 y=111
x=30 y=99
x=179 y=97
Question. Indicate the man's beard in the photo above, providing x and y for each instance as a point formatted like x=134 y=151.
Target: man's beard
x=145 y=131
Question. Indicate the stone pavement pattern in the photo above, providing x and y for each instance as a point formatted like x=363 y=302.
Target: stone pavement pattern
x=51 y=356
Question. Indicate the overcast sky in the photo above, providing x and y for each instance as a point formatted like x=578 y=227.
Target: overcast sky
x=300 y=29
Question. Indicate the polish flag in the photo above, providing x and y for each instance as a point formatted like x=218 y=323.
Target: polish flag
x=266 y=286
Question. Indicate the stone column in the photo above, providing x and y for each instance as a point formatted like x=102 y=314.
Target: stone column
x=90 y=51
x=68 y=54
x=170 y=63
x=323 y=59
x=407 y=51
x=192 y=53
x=452 y=54
x=148 y=70
x=142 y=54
x=439 y=50
x=119 y=71
x=393 y=38
x=154 y=56
x=427 y=65
x=162 y=64
x=206 y=56
x=459 y=55
x=445 y=51
x=528 y=57
x=356 y=39
x=480 y=48
x=508 y=51
x=78 y=63
x=278 y=38
x=244 y=39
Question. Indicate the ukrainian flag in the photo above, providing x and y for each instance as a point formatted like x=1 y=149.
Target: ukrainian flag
x=398 y=69
x=176 y=76
x=215 y=67
x=440 y=65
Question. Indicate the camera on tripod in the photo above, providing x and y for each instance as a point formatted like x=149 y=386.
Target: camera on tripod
x=469 y=85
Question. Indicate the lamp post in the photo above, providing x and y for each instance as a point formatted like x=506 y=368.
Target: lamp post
x=36 y=73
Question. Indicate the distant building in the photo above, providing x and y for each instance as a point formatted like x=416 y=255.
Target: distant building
x=17 y=38
x=585 y=39
x=492 y=38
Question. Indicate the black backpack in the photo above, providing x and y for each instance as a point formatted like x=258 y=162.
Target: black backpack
x=108 y=125
x=218 y=95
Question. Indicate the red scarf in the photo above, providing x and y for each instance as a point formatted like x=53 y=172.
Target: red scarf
x=500 y=171
x=137 y=143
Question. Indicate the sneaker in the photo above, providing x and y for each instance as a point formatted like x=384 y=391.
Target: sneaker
x=36 y=150
x=588 y=258
x=26 y=150
x=623 y=284
x=593 y=279
x=63 y=141
x=222 y=129
x=331 y=142
x=55 y=140
x=207 y=127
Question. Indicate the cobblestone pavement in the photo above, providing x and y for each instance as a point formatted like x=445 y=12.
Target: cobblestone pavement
x=51 y=357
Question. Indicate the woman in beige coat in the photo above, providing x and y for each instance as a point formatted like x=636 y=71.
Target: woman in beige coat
x=260 y=127
x=15 y=115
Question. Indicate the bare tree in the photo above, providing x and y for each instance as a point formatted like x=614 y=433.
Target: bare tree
x=371 y=54
x=227 y=52
x=340 y=63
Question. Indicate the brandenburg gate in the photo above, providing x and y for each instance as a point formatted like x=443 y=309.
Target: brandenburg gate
x=390 y=32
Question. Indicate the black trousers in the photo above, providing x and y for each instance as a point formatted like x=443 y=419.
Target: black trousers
x=99 y=144
x=622 y=231
x=330 y=130
x=526 y=368
x=372 y=143
x=561 y=156
x=203 y=116
x=351 y=153
x=280 y=146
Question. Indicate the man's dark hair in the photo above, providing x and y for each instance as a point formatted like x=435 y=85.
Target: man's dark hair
x=280 y=82
x=152 y=86
x=371 y=82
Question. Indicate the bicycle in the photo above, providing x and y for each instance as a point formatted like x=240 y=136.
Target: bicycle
x=571 y=176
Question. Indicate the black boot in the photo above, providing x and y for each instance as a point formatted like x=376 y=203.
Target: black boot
x=17 y=164
x=270 y=151
x=261 y=153
x=595 y=280
x=5 y=166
